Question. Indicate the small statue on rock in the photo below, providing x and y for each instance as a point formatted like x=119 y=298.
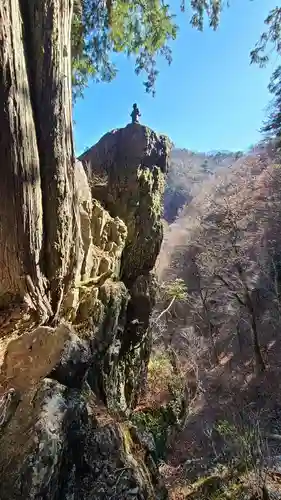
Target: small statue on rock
x=135 y=114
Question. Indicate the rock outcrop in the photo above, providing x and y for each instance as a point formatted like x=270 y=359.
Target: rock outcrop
x=67 y=392
x=126 y=169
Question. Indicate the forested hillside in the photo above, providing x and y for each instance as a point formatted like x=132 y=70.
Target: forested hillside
x=225 y=245
x=187 y=171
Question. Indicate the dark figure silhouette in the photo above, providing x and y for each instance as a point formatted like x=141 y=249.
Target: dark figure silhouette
x=135 y=114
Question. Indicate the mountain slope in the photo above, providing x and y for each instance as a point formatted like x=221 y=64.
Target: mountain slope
x=226 y=246
x=187 y=172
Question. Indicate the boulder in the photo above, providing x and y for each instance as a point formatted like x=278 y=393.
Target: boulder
x=45 y=352
x=63 y=445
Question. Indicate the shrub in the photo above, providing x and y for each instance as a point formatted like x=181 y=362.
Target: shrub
x=164 y=402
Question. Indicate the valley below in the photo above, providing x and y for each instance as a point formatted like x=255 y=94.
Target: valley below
x=224 y=246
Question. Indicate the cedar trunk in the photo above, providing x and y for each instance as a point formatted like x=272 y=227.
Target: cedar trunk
x=37 y=205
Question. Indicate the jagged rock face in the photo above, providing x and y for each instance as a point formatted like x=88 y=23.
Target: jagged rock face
x=127 y=168
x=62 y=444
x=101 y=244
x=126 y=171
x=123 y=343
x=60 y=387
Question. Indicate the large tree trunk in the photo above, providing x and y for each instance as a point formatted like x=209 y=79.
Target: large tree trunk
x=259 y=362
x=248 y=303
x=36 y=152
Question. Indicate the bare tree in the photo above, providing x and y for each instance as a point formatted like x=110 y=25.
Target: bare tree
x=202 y=302
x=179 y=340
x=225 y=258
x=170 y=294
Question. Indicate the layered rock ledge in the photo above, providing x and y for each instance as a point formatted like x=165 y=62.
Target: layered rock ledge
x=66 y=393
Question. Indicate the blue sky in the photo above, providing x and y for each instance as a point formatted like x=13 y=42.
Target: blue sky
x=209 y=98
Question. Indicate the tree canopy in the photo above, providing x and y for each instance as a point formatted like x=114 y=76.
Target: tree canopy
x=269 y=42
x=270 y=39
x=139 y=28
x=272 y=126
x=144 y=29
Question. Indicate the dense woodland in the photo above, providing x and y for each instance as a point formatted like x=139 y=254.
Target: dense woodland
x=187 y=171
x=225 y=246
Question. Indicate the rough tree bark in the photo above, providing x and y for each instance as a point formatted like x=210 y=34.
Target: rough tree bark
x=37 y=206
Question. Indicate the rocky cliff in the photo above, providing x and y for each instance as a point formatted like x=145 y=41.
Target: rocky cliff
x=67 y=392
